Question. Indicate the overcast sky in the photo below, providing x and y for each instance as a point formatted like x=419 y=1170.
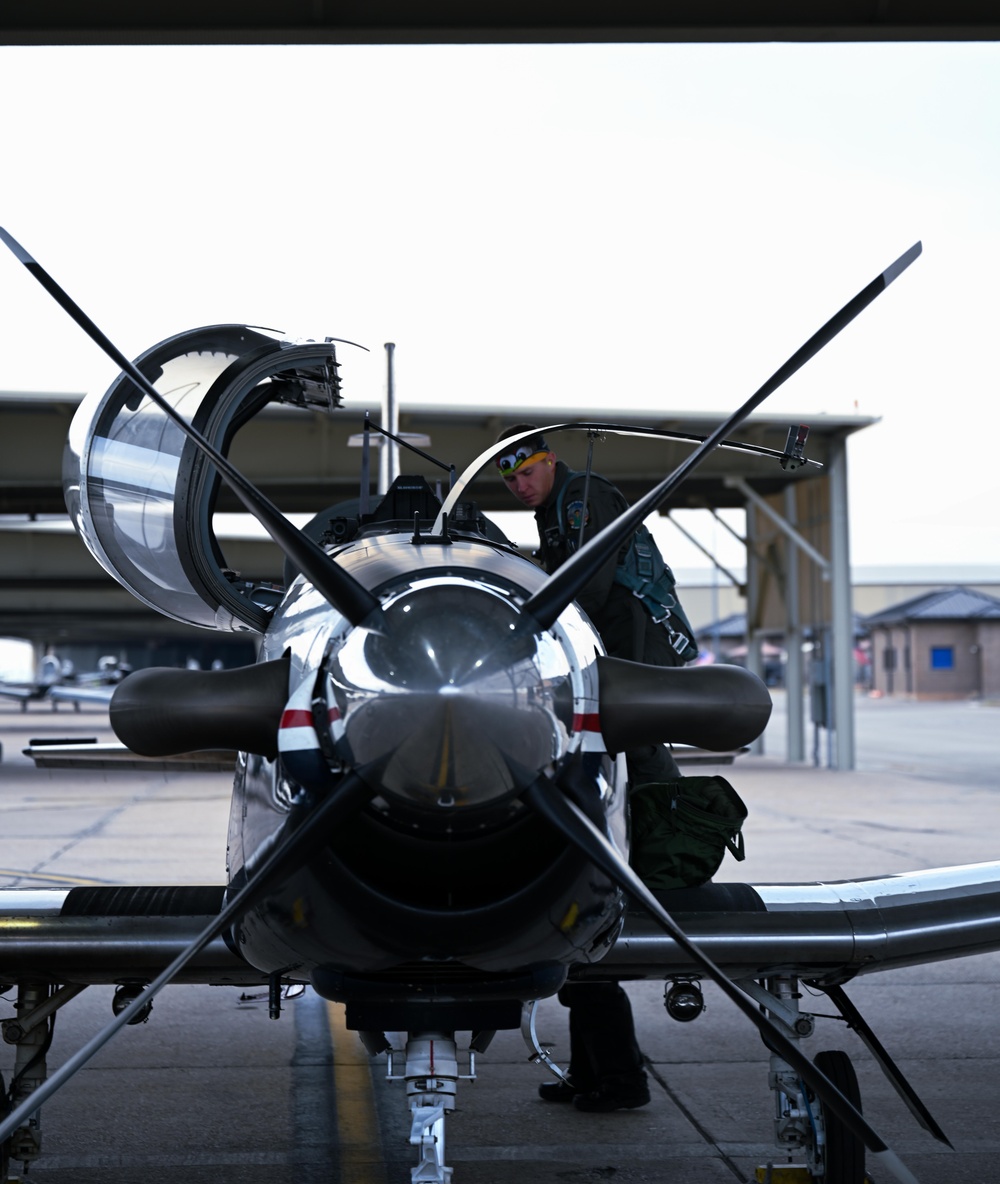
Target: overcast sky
x=602 y=227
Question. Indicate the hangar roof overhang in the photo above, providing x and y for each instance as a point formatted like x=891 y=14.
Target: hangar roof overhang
x=634 y=463
x=123 y=22
x=303 y=461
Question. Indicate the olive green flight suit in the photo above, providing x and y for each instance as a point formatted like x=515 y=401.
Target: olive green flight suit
x=605 y=1059
x=626 y=628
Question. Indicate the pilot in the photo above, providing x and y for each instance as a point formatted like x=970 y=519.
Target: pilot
x=605 y=1071
x=539 y=480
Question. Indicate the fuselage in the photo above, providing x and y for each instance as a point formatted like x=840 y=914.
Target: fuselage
x=448 y=718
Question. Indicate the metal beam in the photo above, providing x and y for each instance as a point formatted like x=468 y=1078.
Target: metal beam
x=386 y=22
x=783 y=525
x=734 y=580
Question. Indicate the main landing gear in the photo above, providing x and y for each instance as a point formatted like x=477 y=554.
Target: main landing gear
x=818 y=1147
x=30 y=1031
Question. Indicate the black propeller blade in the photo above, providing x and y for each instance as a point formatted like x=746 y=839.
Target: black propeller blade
x=339 y=588
x=543 y=608
x=573 y=824
x=294 y=850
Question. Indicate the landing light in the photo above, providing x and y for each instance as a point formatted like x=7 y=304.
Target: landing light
x=124 y=996
x=683 y=1000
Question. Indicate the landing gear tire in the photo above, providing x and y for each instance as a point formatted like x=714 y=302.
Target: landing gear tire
x=844 y=1153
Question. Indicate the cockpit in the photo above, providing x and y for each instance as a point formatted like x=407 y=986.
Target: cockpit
x=141 y=494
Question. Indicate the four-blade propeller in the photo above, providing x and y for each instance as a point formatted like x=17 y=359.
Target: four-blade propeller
x=304 y=833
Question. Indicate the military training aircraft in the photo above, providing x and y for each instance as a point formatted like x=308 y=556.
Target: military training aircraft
x=49 y=673
x=56 y=682
x=428 y=817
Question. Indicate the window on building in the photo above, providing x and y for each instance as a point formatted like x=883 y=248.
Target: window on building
x=942 y=657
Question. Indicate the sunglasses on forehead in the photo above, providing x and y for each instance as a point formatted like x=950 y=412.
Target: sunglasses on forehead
x=526 y=454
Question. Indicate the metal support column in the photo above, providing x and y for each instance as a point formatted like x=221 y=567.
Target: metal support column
x=795 y=745
x=842 y=608
x=838 y=571
x=754 y=661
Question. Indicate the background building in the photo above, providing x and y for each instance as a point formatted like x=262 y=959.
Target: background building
x=939 y=645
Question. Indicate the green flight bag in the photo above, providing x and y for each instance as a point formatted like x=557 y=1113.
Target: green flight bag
x=682 y=829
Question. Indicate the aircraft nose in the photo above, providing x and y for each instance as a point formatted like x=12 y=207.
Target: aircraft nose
x=448 y=708
x=444 y=751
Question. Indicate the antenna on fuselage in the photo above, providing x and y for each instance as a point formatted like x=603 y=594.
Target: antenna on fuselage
x=388 y=468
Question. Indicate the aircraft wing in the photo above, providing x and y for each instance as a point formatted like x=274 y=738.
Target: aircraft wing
x=107 y=934
x=826 y=932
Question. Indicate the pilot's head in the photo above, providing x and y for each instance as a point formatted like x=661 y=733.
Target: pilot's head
x=527 y=467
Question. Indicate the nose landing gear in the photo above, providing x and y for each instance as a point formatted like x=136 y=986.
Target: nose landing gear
x=431 y=1075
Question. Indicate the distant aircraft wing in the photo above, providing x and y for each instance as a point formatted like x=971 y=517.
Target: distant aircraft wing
x=71 y=694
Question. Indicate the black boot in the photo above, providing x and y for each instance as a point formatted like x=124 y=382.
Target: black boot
x=558 y=1091
x=620 y=1092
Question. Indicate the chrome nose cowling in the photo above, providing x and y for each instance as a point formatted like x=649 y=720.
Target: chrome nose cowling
x=450 y=708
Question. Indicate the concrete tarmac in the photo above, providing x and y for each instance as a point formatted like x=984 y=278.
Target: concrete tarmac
x=212 y=1090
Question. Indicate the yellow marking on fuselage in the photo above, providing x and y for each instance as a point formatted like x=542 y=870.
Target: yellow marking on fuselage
x=572 y=913
x=442 y=780
x=357 y=1123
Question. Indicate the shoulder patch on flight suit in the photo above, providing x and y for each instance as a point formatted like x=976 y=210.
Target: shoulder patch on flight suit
x=575 y=513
